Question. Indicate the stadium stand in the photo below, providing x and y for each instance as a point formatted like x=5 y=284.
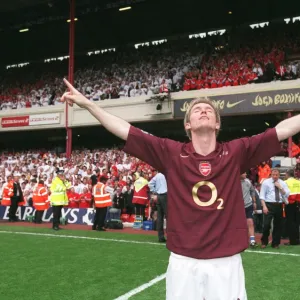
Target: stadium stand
x=113 y=164
x=220 y=60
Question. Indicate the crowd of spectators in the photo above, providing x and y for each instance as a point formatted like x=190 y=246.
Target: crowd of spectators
x=114 y=164
x=234 y=58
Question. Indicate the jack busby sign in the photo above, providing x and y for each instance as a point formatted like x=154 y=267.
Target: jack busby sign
x=248 y=103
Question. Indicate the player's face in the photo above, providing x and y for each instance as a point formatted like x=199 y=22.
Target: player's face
x=202 y=119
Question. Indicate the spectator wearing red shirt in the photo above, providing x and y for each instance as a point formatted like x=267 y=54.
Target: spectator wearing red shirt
x=213 y=83
x=193 y=84
x=73 y=198
x=104 y=174
x=85 y=199
x=207 y=83
x=187 y=84
x=199 y=83
x=227 y=81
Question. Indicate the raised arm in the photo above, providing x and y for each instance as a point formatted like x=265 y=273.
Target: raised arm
x=115 y=125
x=157 y=152
x=288 y=128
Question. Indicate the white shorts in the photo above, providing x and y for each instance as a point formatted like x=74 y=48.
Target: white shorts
x=205 y=279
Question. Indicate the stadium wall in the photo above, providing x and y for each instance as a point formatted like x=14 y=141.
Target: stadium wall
x=250 y=99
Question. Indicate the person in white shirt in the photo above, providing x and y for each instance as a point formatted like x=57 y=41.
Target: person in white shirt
x=273 y=193
x=83 y=172
x=1 y=188
x=109 y=188
x=29 y=191
x=258 y=70
x=79 y=186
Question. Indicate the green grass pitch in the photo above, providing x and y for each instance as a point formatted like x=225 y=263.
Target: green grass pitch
x=49 y=267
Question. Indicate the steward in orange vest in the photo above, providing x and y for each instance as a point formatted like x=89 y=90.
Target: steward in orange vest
x=16 y=197
x=295 y=150
x=141 y=194
x=264 y=172
x=102 y=201
x=40 y=201
x=8 y=191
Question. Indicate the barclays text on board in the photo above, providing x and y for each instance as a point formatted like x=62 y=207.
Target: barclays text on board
x=79 y=216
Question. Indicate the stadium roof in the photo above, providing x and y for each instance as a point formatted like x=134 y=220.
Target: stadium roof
x=6 y=6
x=242 y=9
x=100 y=24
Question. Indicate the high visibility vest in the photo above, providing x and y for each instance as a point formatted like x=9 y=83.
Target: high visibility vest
x=101 y=197
x=294 y=187
x=8 y=191
x=140 y=194
x=263 y=173
x=58 y=190
x=295 y=150
x=40 y=198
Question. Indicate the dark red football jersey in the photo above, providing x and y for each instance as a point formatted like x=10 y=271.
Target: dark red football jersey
x=206 y=215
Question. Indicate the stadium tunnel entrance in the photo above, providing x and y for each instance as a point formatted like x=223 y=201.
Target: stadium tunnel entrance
x=98 y=137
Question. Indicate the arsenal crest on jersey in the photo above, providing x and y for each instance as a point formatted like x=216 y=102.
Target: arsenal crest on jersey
x=205 y=168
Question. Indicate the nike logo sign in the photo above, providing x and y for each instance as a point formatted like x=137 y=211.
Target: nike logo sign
x=183 y=156
x=230 y=105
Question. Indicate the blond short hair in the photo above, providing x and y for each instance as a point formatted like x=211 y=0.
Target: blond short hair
x=188 y=113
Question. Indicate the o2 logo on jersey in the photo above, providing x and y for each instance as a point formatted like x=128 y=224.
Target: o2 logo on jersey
x=205 y=168
x=214 y=195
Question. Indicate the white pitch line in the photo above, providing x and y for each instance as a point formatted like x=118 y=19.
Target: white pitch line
x=142 y=287
x=81 y=237
x=273 y=253
x=126 y=241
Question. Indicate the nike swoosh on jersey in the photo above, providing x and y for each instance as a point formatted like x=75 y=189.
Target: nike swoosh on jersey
x=183 y=156
x=230 y=105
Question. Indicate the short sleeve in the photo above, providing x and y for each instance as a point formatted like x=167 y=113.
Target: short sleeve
x=258 y=148
x=252 y=190
x=151 y=149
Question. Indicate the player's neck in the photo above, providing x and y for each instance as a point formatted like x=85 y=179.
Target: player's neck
x=204 y=144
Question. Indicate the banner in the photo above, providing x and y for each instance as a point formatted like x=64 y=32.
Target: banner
x=80 y=216
x=245 y=103
x=32 y=120
x=15 y=121
x=44 y=119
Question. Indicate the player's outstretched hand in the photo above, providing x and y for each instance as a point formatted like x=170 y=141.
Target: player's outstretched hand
x=74 y=96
